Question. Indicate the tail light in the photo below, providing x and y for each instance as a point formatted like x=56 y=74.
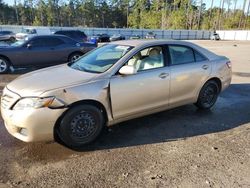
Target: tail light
x=229 y=64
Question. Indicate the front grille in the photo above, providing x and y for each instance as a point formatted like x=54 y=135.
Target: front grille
x=8 y=99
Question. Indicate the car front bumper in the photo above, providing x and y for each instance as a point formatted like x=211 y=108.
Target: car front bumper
x=31 y=125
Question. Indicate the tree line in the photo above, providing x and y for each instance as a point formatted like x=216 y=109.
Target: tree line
x=147 y=14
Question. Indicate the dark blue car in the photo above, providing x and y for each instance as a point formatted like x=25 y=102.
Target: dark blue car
x=41 y=51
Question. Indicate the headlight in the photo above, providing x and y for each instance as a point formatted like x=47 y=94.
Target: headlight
x=33 y=102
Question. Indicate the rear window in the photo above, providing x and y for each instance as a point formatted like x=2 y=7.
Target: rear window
x=72 y=34
x=53 y=41
x=181 y=54
x=199 y=57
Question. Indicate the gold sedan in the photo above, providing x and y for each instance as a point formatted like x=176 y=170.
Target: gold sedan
x=116 y=82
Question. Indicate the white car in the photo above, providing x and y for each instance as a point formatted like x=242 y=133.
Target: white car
x=215 y=36
x=30 y=32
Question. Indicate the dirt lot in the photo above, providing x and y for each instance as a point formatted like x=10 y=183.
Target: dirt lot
x=183 y=147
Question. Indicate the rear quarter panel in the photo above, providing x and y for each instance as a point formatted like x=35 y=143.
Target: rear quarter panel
x=222 y=71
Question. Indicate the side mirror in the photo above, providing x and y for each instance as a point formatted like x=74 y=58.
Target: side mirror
x=127 y=70
x=29 y=46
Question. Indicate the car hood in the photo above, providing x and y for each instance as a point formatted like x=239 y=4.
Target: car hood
x=21 y=34
x=7 y=47
x=38 y=82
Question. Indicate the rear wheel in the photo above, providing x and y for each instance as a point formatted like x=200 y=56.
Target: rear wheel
x=208 y=95
x=81 y=125
x=4 y=65
x=73 y=57
x=12 y=39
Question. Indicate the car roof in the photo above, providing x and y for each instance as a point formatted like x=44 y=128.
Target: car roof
x=51 y=36
x=69 y=31
x=141 y=42
x=145 y=42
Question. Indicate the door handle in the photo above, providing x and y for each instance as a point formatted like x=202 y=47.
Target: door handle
x=163 y=75
x=205 y=67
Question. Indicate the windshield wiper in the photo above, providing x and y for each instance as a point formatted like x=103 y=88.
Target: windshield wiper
x=78 y=67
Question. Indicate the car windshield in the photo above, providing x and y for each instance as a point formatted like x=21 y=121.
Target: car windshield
x=29 y=31
x=18 y=43
x=101 y=59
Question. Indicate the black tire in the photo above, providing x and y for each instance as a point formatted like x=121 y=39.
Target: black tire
x=12 y=39
x=208 y=95
x=74 y=56
x=4 y=65
x=80 y=126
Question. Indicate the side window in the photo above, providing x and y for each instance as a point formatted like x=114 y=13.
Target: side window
x=50 y=42
x=199 y=57
x=37 y=42
x=149 y=58
x=181 y=54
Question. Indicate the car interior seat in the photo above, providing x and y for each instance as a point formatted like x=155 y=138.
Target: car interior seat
x=154 y=60
x=135 y=61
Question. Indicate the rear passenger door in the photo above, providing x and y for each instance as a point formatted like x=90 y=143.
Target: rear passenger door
x=45 y=50
x=57 y=50
x=189 y=70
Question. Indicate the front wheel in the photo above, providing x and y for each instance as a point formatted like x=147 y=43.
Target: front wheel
x=81 y=125
x=4 y=65
x=208 y=95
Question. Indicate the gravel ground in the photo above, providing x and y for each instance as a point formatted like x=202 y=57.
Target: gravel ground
x=183 y=147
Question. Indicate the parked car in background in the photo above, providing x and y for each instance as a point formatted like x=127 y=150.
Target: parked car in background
x=215 y=36
x=30 y=32
x=100 y=38
x=40 y=51
x=7 y=36
x=77 y=35
x=135 y=37
x=116 y=37
x=150 y=35
x=119 y=81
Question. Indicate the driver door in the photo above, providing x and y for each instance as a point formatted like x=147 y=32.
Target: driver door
x=143 y=91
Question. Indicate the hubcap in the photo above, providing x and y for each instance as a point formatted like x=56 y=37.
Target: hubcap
x=82 y=126
x=3 y=65
x=209 y=95
x=74 y=58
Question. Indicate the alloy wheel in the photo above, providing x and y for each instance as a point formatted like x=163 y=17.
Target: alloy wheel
x=74 y=58
x=3 y=65
x=209 y=95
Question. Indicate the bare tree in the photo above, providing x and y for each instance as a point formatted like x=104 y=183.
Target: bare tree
x=242 y=14
x=228 y=2
x=235 y=4
x=211 y=7
x=199 y=16
x=219 y=15
x=16 y=11
x=247 y=13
